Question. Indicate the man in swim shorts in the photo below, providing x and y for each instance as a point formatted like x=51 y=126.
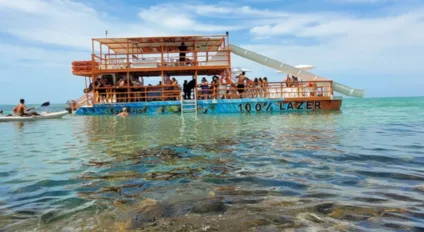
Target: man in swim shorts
x=240 y=82
x=21 y=108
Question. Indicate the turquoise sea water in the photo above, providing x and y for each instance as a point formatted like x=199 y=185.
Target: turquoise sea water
x=361 y=169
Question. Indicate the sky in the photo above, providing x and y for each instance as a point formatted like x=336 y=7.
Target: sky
x=375 y=45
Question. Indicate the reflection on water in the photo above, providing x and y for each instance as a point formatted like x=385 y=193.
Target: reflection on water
x=259 y=172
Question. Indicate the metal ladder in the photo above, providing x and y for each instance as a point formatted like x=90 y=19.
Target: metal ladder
x=189 y=106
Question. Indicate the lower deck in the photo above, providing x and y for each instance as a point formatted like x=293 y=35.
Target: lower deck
x=213 y=106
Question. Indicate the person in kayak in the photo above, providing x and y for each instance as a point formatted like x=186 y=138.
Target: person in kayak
x=21 y=109
x=124 y=113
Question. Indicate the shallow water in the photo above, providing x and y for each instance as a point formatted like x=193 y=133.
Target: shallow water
x=361 y=169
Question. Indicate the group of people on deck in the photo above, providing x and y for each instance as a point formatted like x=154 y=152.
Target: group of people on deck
x=132 y=90
x=293 y=82
x=258 y=87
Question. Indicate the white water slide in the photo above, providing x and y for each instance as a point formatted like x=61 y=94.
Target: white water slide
x=305 y=75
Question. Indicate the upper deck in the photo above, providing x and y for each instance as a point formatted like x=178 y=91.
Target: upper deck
x=151 y=56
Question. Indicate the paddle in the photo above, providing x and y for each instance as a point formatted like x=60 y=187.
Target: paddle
x=42 y=105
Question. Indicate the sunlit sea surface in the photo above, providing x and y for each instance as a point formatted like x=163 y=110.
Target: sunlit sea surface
x=361 y=169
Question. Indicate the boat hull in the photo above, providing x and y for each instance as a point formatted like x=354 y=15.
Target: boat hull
x=53 y=115
x=223 y=106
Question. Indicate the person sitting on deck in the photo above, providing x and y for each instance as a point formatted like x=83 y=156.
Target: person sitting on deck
x=21 y=108
x=124 y=113
x=174 y=82
x=1 y=112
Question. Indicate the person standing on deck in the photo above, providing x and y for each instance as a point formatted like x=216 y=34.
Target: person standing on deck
x=288 y=81
x=191 y=86
x=183 y=49
x=186 y=90
x=240 y=83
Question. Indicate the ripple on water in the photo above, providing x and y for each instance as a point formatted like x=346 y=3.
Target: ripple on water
x=225 y=173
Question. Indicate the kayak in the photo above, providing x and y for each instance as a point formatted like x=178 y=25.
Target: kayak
x=42 y=116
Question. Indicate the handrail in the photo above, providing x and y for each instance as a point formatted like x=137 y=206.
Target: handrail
x=303 y=89
x=316 y=89
x=83 y=100
x=172 y=59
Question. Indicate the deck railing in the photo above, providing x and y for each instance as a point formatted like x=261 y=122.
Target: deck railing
x=123 y=94
x=272 y=90
x=155 y=60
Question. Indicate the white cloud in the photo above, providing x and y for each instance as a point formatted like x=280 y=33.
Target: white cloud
x=343 y=44
x=181 y=18
x=389 y=44
x=70 y=23
x=361 y=1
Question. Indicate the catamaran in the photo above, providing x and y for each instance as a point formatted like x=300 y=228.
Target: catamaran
x=115 y=74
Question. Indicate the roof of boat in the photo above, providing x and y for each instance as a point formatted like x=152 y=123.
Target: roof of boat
x=154 y=44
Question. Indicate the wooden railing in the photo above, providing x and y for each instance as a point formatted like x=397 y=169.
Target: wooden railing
x=84 y=100
x=266 y=90
x=114 y=94
x=157 y=60
x=271 y=90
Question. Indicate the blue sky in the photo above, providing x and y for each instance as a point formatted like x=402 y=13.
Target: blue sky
x=376 y=45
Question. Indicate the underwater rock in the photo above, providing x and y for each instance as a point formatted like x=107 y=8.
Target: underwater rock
x=153 y=212
x=214 y=205
x=324 y=208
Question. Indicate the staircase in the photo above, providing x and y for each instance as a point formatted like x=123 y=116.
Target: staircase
x=84 y=100
x=188 y=106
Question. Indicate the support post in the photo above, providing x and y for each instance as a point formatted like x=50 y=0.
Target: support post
x=195 y=53
x=86 y=88
x=128 y=87
x=92 y=46
x=162 y=88
x=161 y=55
x=101 y=53
x=195 y=93
x=128 y=54
x=94 y=97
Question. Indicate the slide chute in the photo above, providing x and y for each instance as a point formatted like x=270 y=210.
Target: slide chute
x=298 y=72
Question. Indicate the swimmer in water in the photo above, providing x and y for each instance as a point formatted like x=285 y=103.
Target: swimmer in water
x=124 y=113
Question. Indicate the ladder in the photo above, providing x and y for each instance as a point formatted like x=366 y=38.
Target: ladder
x=189 y=106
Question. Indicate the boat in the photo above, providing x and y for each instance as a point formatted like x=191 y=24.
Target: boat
x=43 y=116
x=120 y=65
